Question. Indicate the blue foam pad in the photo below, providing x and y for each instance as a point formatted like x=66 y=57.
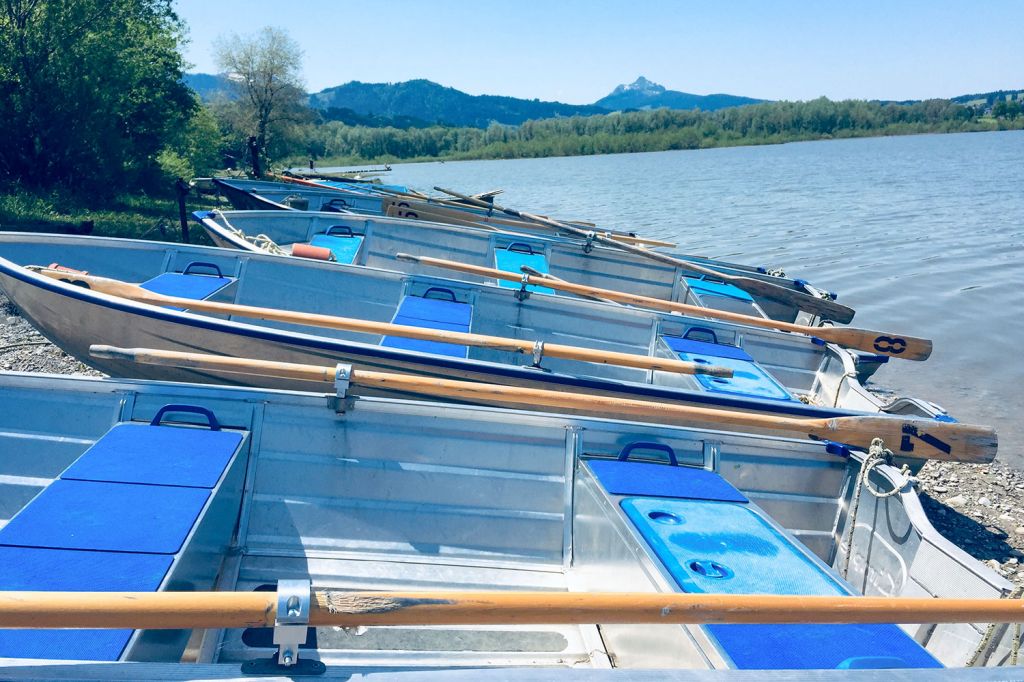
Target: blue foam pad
x=748 y=378
x=422 y=346
x=716 y=350
x=510 y=261
x=159 y=455
x=196 y=287
x=659 y=480
x=107 y=516
x=702 y=287
x=759 y=558
x=343 y=247
x=813 y=647
x=58 y=570
x=436 y=310
x=431 y=313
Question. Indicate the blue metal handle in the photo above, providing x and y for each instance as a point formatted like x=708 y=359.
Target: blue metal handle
x=346 y=228
x=440 y=290
x=193 y=409
x=522 y=246
x=202 y=264
x=643 y=445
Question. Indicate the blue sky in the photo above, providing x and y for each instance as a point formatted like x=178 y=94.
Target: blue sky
x=576 y=51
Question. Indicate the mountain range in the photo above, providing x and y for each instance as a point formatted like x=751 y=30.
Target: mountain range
x=421 y=103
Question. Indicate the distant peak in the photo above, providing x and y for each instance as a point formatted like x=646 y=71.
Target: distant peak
x=641 y=85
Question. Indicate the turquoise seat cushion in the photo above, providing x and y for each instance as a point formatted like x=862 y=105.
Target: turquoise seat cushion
x=157 y=455
x=431 y=313
x=61 y=570
x=117 y=517
x=703 y=287
x=727 y=548
x=748 y=379
x=510 y=261
x=345 y=248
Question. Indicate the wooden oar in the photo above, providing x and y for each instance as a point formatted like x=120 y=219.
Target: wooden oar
x=907 y=437
x=533 y=272
x=883 y=343
x=193 y=610
x=798 y=299
x=135 y=293
x=460 y=213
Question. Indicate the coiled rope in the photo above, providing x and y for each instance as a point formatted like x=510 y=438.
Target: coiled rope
x=260 y=241
x=877 y=454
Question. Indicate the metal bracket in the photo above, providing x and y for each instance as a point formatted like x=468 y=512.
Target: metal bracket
x=342 y=381
x=292 y=619
x=588 y=243
x=538 y=352
x=522 y=294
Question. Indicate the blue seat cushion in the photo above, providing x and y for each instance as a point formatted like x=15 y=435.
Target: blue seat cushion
x=194 y=286
x=344 y=248
x=107 y=516
x=431 y=313
x=510 y=261
x=748 y=379
x=436 y=310
x=158 y=455
x=717 y=350
x=816 y=647
x=53 y=570
x=659 y=480
x=703 y=287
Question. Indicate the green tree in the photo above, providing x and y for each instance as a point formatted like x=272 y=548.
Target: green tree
x=266 y=70
x=90 y=91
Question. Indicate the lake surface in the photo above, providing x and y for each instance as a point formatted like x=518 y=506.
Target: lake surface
x=922 y=235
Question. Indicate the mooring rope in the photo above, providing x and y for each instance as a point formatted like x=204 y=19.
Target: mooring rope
x=877 y=454
x=260 y=241
x=986 y=639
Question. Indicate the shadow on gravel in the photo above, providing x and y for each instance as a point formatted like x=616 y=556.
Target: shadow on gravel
x=979 y=540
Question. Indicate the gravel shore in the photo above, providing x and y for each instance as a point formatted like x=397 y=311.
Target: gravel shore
x=979 y=507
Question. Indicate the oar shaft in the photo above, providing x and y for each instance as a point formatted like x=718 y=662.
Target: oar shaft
x=554 y=350
x=884 y=343
x=918 y=438
x=791 y=297
x=186 y=610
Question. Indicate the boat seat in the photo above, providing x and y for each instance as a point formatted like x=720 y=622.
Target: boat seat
x=340 y=240
x=712 y=540
x=701 y=286
x=515 y=255
x=432 y=313
x=115 y=520
x=189 y=284
x=748 y=378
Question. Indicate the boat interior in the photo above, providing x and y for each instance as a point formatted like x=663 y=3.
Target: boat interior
x=152 y=486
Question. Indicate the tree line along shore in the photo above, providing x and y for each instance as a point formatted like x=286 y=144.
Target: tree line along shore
x=99 y=124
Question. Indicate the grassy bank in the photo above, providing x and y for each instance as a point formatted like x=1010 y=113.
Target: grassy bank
x=148 y=216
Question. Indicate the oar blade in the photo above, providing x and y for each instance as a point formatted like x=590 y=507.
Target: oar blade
x=881 y=343
x=824 y=308
x=916 y=438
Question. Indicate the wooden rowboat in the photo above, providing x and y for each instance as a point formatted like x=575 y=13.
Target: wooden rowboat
x=725 y=552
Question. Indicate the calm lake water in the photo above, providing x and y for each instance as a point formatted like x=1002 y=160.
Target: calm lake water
x=922 y=235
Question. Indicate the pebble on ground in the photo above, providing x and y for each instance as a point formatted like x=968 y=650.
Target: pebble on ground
x=978 y=507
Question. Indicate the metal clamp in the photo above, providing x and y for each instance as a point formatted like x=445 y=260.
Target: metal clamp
x=538 y=352
x=588 y=243
x=522 y=294
x=342 y=381
x=292 y=620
